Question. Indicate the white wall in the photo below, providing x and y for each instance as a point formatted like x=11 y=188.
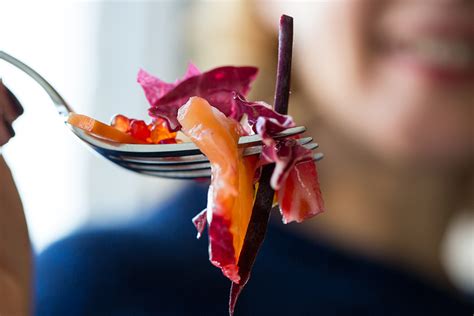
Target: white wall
x=48 y=163
x=91 y=52
x=131 y=35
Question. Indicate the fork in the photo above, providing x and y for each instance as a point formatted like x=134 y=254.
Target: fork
x=174 y=161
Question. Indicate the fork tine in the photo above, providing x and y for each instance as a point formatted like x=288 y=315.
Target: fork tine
x=185 y=160
x=191 y=174
x=169 y=150
x=172 y=161
x=175 y=161
x=185 y=175
x=190 y=168
x=258 y=149
x=253 y=140
x=318 y=156
x=165 y=168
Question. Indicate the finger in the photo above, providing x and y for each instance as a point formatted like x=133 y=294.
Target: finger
x=6 y=132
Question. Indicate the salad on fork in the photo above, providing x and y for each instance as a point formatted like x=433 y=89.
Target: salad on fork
x=252 y=151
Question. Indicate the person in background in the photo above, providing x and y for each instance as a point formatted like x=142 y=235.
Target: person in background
x=389 y=96
x=386 y=87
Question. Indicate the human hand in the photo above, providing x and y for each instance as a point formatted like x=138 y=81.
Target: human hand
x=15 y=250
x=10 y=110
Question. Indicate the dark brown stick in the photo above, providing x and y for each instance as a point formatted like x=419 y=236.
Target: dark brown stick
x=263 y=202
x=285 y=52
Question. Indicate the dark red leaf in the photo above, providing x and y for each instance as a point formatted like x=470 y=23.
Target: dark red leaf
x=216 y=86
x=260 y=115
x=299 y=197
x=155 y=88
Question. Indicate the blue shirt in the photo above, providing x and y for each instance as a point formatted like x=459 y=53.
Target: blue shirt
x=157 y=267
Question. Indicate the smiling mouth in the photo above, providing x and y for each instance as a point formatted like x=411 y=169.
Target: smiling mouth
x=435 y=51
x=438 y=51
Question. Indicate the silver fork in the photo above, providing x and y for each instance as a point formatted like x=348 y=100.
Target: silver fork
x=176 y=161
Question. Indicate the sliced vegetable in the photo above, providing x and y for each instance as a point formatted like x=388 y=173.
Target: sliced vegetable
x=100 y=129
x=261 y=117
x=231 y=191
x=160 y=133
x=139 y=129
x=154 y=133
x=285 y=154
x=300 y=196
x=216 y=86
x=156 y=88
x=121 y=122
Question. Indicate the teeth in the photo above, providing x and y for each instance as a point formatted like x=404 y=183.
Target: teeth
x=445 y=52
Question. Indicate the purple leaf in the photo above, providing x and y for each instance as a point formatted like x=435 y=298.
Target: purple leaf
x=217 y=86
x=155 y=88
x=300 y=197
x=260 y=115
x=266 y=122
x=285 y=154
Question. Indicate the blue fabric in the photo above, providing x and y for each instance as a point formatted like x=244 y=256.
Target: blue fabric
x=157 y=267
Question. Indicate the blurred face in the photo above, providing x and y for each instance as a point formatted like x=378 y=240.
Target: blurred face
x=397 y=75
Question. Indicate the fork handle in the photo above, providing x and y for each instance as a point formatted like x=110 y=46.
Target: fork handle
x=61 y=105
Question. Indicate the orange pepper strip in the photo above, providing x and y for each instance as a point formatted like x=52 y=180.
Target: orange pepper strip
x=231 y=193
x=100 y=129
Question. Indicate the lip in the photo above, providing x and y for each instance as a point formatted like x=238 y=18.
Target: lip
x=447 y=25
x=399 y=43
x=434 y=73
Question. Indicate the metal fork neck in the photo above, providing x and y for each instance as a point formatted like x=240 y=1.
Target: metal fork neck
x=61 y=105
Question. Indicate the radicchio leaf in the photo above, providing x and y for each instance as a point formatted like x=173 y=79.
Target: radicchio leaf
x=285 y=154
x=156 y=88
x=217 y=86
x=300 y=197
x=266 y=122
x=260 y=115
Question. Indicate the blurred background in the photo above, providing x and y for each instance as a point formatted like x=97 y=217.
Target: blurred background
x=91 y=51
